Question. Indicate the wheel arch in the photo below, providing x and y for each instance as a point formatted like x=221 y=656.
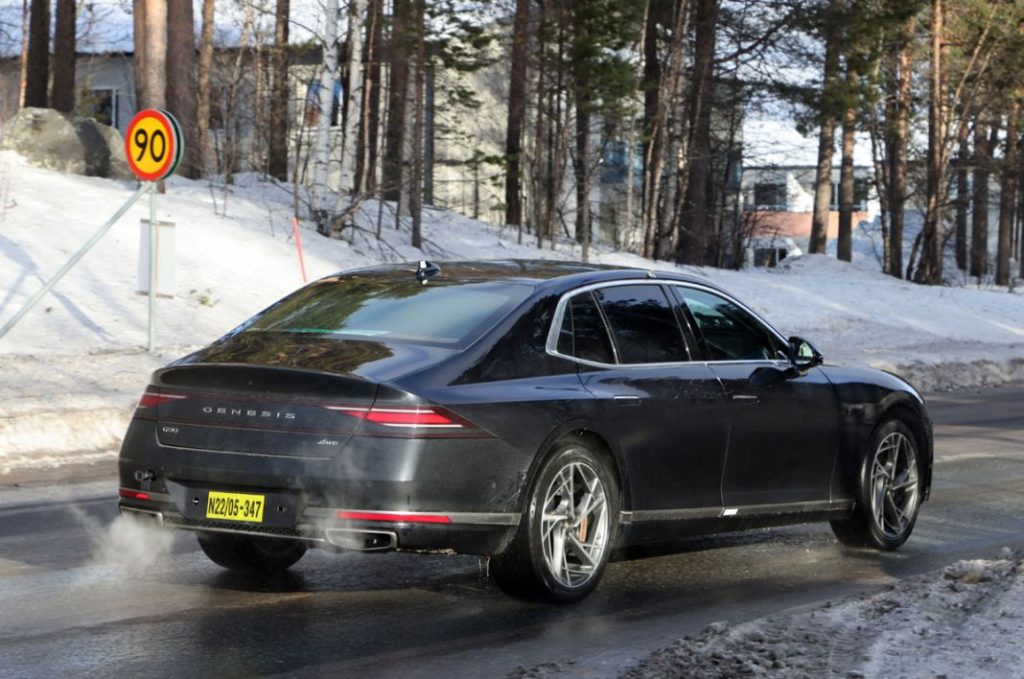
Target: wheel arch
x=597 y=442
x=903 y=411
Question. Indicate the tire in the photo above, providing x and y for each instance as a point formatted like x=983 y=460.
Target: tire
x=251 y=555
x=562 y=546
x=888 y=491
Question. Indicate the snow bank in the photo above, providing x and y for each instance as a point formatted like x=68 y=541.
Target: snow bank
x=964 y=620
x=70 y=372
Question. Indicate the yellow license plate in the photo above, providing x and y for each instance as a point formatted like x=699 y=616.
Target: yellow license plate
x=235 y=506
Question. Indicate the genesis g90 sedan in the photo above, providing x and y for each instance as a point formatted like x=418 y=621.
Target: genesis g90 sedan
x=536 y=412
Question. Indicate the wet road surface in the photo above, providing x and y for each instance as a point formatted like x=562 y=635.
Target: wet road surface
x=80 y=598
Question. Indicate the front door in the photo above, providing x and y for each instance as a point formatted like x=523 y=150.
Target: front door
x=784 y=426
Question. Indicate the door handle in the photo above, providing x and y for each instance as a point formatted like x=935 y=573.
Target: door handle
x=746 y=398
x=627 y=400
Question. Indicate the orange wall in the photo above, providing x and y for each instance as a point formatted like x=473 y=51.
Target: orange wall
x=796 y=224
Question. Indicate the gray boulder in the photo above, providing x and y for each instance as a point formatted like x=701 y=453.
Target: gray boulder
x=67 y=143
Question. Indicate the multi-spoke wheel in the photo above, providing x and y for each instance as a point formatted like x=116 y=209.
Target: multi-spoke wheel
x=563 y=542
x=888 y=493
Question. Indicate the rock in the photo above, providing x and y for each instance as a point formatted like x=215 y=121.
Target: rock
x=67 y=143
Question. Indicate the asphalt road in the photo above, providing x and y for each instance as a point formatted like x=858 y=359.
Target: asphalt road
x=79 y=597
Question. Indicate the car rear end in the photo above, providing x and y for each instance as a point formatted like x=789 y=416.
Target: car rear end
x=297 y=436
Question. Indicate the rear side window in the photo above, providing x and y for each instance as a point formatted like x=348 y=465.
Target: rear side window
x=385 y=307
x=643 y=324
x=730 y=333
x=583 y=333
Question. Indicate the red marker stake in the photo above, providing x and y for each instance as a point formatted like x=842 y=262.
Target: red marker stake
x=298 y=245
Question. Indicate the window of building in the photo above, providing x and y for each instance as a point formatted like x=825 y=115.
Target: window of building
x=315 y=104
x=861 y=188
x=770 y=196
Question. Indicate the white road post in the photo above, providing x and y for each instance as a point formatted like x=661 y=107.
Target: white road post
x=152 y=266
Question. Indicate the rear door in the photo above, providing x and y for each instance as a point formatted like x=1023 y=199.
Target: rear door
x=664 y=409
x=784 y=429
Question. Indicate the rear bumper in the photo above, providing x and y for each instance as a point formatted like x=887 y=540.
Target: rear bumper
x=377 y=495
x=490 y=536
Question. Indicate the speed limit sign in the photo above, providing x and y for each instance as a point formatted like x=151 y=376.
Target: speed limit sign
x=153 y=144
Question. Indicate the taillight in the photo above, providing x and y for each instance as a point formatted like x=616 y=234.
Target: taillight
x=415 y=421
x=149 y=401
x=133 y=494
x=408 y=418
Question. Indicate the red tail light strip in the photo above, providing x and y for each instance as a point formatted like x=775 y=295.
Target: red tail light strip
x=133 y=494
x=151 y=399
x=394 y=517
x=426 y=418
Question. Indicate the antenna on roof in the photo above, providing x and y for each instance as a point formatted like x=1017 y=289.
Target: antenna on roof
x=426 y=270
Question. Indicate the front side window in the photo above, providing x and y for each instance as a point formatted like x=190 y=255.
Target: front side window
x=730 y=332
x=643 y=324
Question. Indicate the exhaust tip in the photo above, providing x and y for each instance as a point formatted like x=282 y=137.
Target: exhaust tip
x=150 y=516
x=354 y=539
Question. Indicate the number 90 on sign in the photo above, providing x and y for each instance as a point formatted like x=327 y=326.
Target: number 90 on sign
x=153 y=144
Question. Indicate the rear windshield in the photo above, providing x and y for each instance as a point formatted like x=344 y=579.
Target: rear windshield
x=383 y=307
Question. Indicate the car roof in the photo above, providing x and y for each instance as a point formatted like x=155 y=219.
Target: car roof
x=544 y=273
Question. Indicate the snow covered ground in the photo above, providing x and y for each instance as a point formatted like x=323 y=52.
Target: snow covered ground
x=961 y=621
x=72 y=370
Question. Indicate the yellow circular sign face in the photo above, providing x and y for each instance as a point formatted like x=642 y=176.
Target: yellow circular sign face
x=153 y=145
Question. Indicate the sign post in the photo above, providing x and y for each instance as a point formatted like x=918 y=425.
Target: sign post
x=153 y=147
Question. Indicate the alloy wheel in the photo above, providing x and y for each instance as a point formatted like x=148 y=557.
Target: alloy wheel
x=575 y=524
x=894 y=486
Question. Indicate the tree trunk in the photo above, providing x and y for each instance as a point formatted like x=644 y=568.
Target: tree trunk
x=826 y=136
x=37 y=76
x=516 y=117
x=154 y=90
x=691 y=245
x=962 y=205
x=582 y=168
x=277 y=148
x=651 y=126
x=979 y=201
x=537 y=175
x=23 y=68
x=416 y=192
x=354 y=95
x=930 y=268
x=394 y=151
x=62 y=95
x=844 y=243
x=181 y=87
x=1007 y=197
x=203 y=78
x=559 y=132
x=658 y=236
x=139 y=47
x=898 y=183
x=369 y=121
x=322 y=150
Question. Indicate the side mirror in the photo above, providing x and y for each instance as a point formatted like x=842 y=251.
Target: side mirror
x=803 y=355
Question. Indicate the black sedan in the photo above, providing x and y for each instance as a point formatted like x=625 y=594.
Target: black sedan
x=536 y=412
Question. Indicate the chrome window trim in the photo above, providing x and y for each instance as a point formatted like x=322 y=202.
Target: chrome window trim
x=551 y=346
